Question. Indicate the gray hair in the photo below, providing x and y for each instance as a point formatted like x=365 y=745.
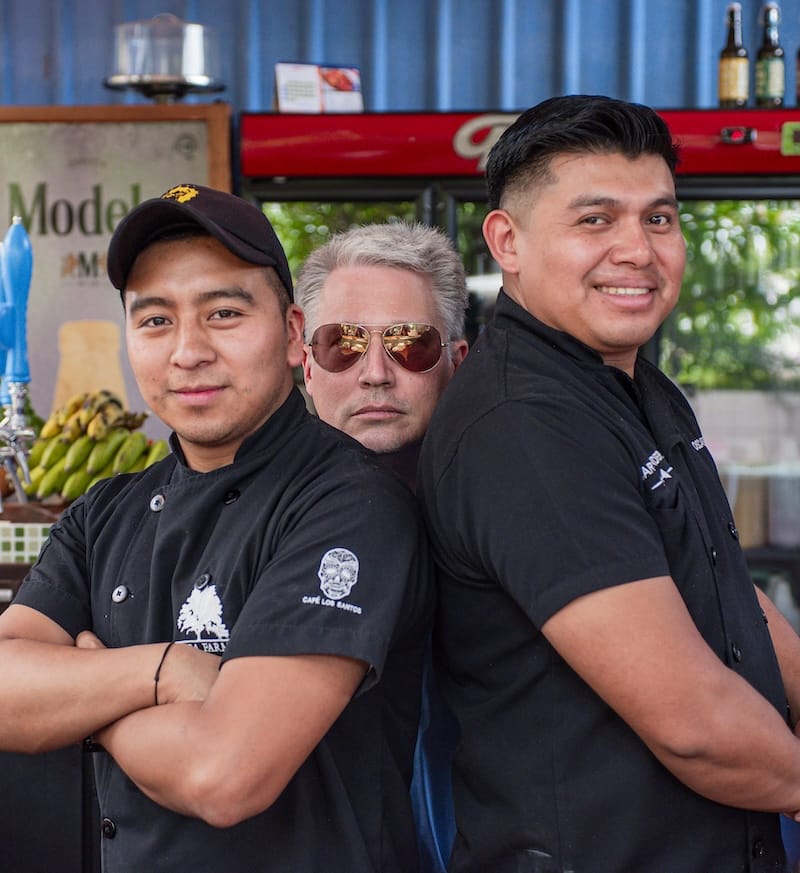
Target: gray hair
x=415 y=247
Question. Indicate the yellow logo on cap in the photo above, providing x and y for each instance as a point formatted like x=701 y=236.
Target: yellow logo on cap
x=181 y=193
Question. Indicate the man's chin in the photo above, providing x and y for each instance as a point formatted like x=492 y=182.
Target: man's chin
x=383 y=440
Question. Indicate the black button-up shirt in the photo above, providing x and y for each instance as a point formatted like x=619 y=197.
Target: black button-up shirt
x=301 y=546
x=547 y=475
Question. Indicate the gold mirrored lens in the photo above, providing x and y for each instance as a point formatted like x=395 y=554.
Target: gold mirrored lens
x=415 y=346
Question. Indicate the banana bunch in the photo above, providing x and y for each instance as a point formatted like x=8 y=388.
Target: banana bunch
x=88 y=439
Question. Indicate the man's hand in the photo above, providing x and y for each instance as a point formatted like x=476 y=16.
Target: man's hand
x=87 y=640
x=187 y=674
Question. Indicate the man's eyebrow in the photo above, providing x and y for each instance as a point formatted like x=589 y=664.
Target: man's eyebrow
x=588 y=200
x=154 y=301
x=234 y=293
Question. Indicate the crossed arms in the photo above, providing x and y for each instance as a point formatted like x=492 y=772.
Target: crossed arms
x=242 y=731
x=638 y=648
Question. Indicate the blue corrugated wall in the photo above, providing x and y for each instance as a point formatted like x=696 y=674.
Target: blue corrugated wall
x=422 y=55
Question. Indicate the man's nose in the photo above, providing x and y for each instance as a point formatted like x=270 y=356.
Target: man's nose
x=632 y=244
x=375 y=366
x=191 y=346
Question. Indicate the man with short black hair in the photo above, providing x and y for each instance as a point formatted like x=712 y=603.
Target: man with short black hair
x=621 y=687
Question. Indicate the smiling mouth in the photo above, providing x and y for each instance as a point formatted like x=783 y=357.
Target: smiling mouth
x=623 y=291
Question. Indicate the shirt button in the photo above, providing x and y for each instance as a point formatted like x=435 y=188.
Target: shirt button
x=202 y=581
x=109 y=829
x=120 y=593
x=713 y=555
x=733 y=529
x=157 y=502
x=736 y=652
x=758 y=848
x=231 y=497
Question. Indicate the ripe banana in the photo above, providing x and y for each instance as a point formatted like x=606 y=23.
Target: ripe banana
x=50 y=428
x=129 y=452
x=110 y=415
x=132 y=420
x=105 y=450
x=74 y=403
x=72 y=428
x=94 y=402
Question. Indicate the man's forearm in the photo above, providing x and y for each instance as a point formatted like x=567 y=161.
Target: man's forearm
x=743 y=754
x=787 y=649
x=54 y=695
x=148 y=747
x=230 y=756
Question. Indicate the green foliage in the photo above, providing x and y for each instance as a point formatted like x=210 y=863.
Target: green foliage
x=737 y=324
x=304 y=226
x=35 y=421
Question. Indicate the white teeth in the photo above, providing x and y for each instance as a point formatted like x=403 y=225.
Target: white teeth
x=622 y=292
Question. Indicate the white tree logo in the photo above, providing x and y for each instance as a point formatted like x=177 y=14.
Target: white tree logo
x=203 y=612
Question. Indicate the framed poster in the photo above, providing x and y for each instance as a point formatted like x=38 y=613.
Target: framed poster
x=71 y=174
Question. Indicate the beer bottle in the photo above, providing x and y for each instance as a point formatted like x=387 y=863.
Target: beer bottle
x=770 y=72
x=734 y=63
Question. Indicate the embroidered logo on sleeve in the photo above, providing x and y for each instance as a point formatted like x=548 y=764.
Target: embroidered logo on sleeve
x=656 y=471
x=338 y=573
x=201 y=615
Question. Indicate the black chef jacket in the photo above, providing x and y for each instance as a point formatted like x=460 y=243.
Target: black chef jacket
x=242 y=561
x=546 y=475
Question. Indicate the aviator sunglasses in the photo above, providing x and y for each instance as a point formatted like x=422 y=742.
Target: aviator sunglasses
x=414 y=346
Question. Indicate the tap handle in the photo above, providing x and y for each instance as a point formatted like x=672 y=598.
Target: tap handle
x=6 y=334
x=17 y=270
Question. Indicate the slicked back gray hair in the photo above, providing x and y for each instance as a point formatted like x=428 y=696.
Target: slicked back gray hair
x=415 y=247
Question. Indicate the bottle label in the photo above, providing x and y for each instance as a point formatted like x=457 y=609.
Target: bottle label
x=770 y=79
x=734 y=74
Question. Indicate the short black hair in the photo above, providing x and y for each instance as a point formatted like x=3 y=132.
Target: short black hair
x=574 y=124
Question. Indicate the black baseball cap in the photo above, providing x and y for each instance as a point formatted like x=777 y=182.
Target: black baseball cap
x=239 y=225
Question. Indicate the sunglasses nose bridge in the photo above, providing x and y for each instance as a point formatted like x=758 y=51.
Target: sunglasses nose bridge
x=375 y=363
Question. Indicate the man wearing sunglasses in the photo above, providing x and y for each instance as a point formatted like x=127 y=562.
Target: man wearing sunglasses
x=384 y=306
x=241 y=626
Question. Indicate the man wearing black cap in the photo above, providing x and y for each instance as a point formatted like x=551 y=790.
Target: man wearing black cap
x=240 y=627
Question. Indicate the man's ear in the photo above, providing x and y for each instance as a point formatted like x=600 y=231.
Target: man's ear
x=307 y=368
x=458 y=351
x=294 y=333
x=500 y=233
